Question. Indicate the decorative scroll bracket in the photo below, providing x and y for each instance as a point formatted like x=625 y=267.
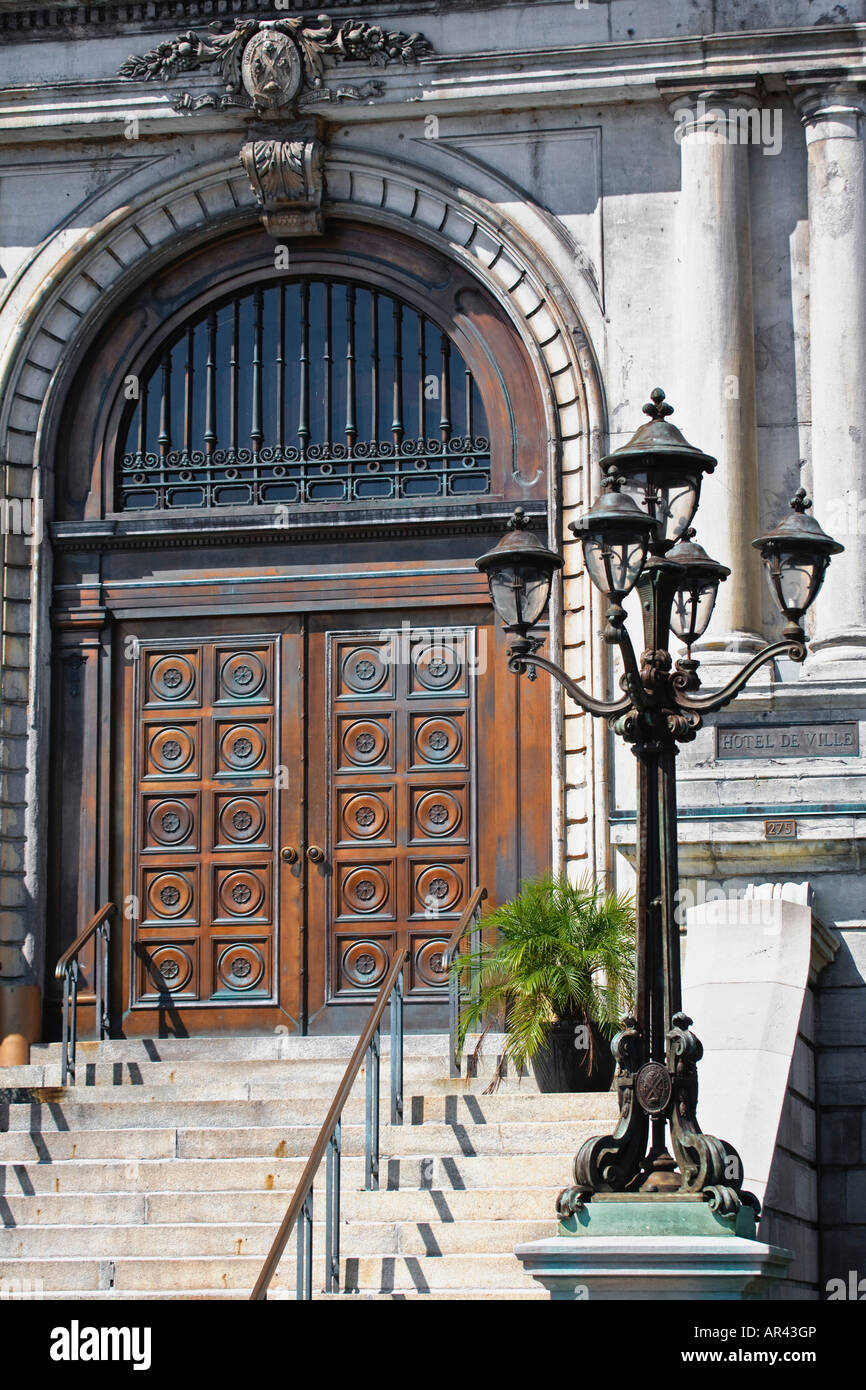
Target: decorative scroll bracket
x=288 y=180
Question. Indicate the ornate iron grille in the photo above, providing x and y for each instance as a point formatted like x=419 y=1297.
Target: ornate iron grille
x=308 y=391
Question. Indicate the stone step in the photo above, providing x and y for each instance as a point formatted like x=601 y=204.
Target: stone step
x=276 y=1295
x=283 y=1046
x=163 y=1173
x=420 y=1072
x=284 y=1140
x=223 y=1207
x=63 y=1116
x=370 y=1273
x=129 y=1144
x=404 y=1141
x=52 y=1210
x=285 y=1081
x=434 y=1296
x=461 y=1107
x=232 y=1070
x=357 y=1238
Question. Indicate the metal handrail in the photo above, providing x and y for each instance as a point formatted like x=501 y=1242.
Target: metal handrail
x=67 y=970
x=471 y=918
x=329 y=1141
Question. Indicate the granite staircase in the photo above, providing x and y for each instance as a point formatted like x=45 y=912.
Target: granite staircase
x=165 y=1172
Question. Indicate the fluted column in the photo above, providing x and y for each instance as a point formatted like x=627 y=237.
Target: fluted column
x=833 y=115
x=715 y=401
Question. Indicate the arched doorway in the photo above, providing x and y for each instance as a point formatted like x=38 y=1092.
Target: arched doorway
x=285 y=737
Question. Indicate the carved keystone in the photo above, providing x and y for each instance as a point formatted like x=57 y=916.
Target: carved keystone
x=288 y=180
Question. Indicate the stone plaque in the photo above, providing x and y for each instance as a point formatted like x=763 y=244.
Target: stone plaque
x=787 y=741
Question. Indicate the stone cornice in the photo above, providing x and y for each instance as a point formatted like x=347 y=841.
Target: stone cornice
x=24 y=21
x=21 y=20
x=459 y=84
x=601 y=74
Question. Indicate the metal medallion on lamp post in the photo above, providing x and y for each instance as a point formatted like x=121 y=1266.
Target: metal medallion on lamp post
x=639 y=535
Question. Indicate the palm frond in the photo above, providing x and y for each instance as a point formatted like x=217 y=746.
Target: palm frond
x=561 y=950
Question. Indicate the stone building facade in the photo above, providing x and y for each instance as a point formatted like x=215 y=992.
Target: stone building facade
x=641 y=194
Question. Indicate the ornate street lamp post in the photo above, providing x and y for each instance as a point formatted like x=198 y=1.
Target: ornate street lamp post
x=638 y=535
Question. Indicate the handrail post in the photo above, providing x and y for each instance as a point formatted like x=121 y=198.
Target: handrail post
x=105 y=946
x=304 y=1275
x=73 y=1018
x=68 y=971
x=397 y=1051
x=97 y=981
x=453 y=1022
x=64 y=1053
x=471 y=919
x=475 y=948
x=332 y=1212
x=299 y=1256
x=371 y=1146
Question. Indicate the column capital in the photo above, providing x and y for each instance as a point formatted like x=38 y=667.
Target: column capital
x=728 y=112
x=727 y=93
x=832 y=104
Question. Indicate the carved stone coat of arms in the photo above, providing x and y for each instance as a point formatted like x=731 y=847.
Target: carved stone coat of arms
x=276 y=66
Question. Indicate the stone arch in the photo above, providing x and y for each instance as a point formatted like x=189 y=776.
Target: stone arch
x=526 y=270
x=75 y=291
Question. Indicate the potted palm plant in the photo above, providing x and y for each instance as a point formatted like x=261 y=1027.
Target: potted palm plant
x=559 y=975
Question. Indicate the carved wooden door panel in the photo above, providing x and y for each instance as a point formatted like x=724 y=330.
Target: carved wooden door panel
x=395 y=802
x=211 y=788
x=431 y=775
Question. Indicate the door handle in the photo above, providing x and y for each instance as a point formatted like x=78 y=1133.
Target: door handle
x=289 y=855
x=315 y=855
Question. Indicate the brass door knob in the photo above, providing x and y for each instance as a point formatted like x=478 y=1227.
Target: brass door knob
x=289 y=855
x=315 y=855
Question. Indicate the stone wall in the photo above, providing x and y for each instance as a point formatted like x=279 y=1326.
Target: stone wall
x=841 y=1138
x=794 y=1209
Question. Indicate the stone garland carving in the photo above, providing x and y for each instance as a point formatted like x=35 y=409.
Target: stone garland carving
x=275 y=65
x=287 y=179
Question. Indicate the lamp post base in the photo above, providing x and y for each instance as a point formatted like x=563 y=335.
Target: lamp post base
x=654 y=1246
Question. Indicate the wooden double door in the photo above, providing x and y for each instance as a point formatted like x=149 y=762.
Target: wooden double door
x=294 y=798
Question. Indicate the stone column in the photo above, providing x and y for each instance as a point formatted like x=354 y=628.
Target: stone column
x=715 y=379
x=833 y=116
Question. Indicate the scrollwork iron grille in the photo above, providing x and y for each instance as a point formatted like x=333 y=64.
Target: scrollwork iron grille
x=306 y=391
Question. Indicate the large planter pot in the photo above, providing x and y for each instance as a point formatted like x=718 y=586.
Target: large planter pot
x=561 y=1066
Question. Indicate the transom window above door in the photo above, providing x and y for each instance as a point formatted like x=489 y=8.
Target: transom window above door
x=311 y=390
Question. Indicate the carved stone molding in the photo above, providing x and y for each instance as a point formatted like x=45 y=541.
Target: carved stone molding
x=288 y=181
x=275 y=66
x=830 y=104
